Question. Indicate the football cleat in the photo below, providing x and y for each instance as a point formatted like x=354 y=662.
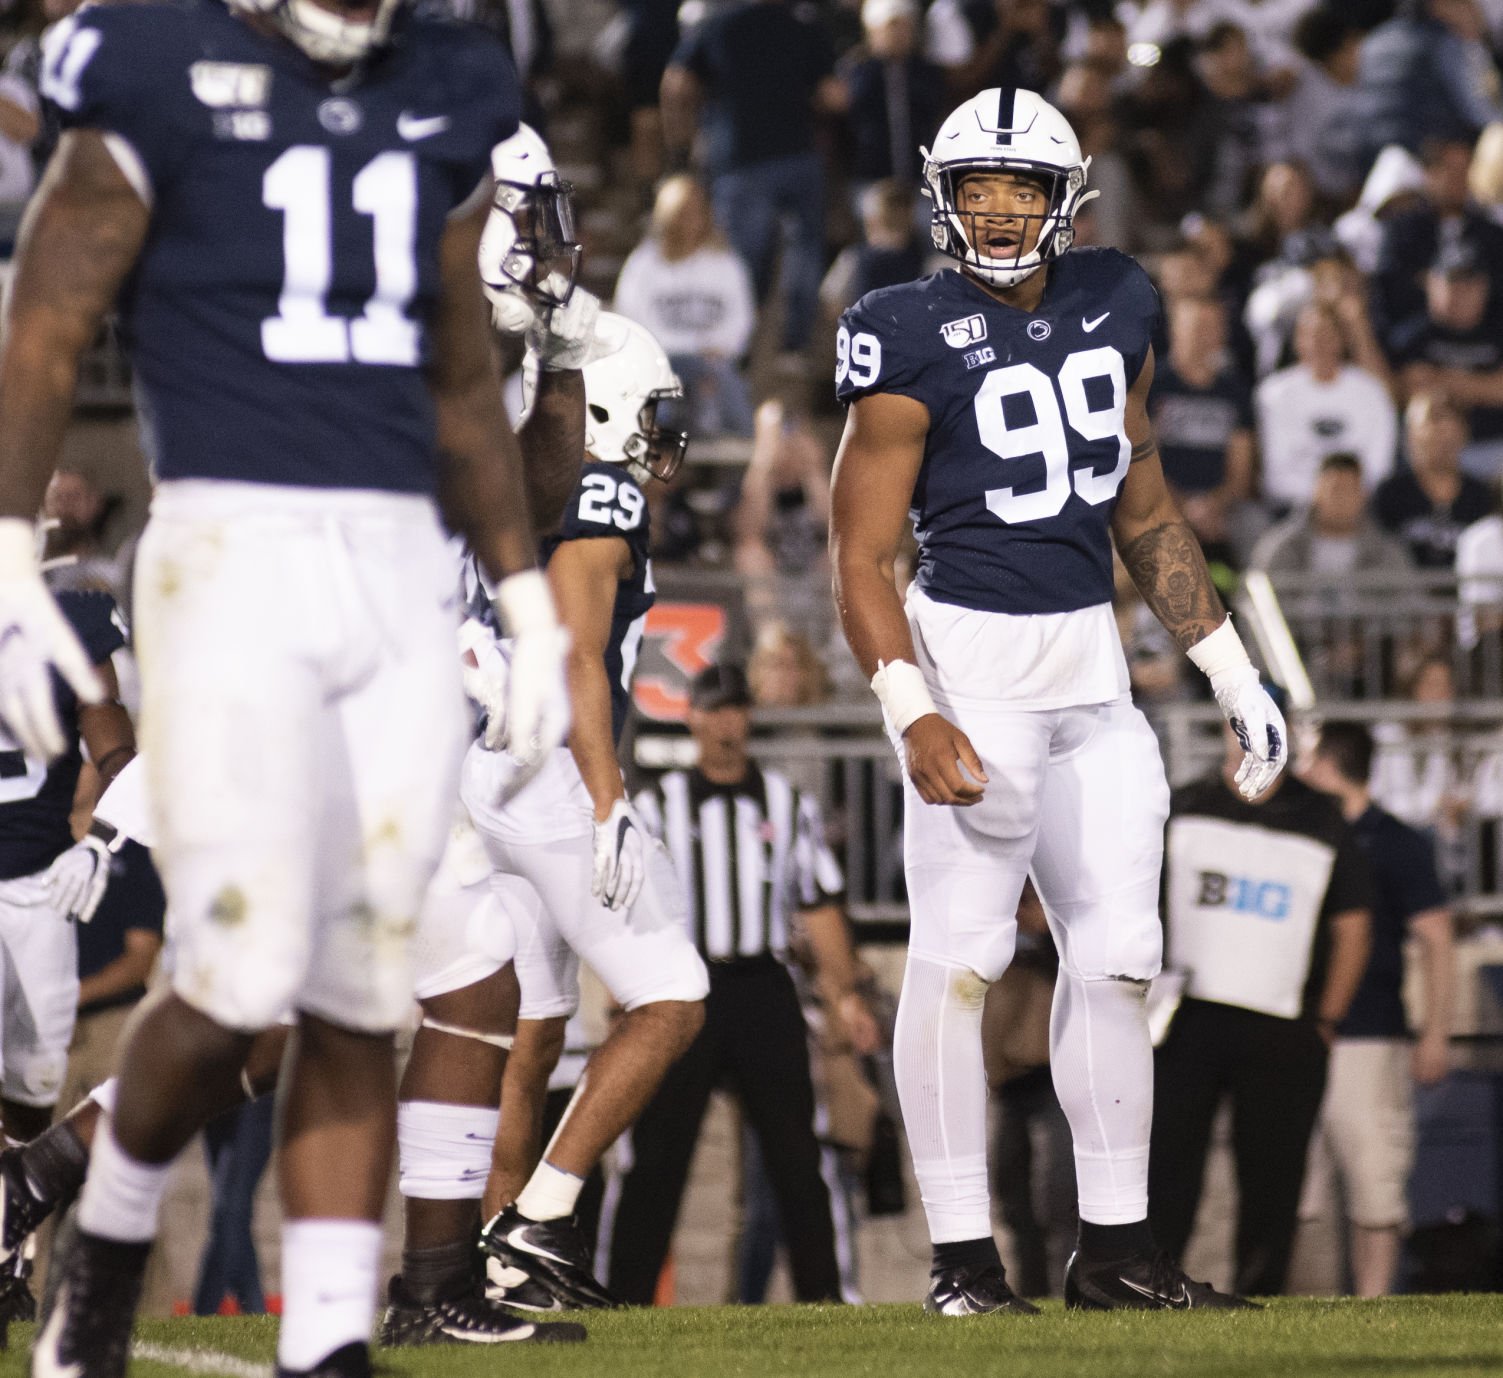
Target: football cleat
x=553 y=1253
x=1145 y=1282
x=511 y=1287
x=21 y=1209
x=87 y=1334
x=974 y=1292
x=465 y=1319
x=348 y=1361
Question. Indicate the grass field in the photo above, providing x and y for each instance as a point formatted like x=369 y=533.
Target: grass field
x=1405 y=1337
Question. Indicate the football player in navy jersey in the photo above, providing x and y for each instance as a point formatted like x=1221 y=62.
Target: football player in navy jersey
x=603 y=891
x=287 y=196
x=1000 y=406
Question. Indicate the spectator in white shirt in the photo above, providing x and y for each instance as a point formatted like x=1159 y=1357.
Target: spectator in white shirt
x=685 y=284
x=1319 y=405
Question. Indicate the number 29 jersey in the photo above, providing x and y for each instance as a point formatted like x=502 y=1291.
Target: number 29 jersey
x=276 y=317
x=1026 y=448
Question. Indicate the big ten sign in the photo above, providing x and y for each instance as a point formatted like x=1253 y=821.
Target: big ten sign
x=678 y=641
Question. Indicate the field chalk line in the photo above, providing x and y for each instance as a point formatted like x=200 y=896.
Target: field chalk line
x=199 y=1360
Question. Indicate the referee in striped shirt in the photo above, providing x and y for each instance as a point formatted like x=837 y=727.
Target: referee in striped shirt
x=749 y=851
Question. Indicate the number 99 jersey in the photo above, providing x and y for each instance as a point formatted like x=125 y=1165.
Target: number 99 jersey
x=1026 y=448
x=276 y=317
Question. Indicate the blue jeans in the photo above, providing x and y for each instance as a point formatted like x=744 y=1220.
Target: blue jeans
x=238 y=1144
x=752 y=204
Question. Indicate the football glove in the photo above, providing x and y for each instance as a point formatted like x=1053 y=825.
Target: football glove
x=537 y=692
x=485 y=674
x=35 y=639
x=1259 y=726
x=77 y=880
x=560 y=338
x=620 y=860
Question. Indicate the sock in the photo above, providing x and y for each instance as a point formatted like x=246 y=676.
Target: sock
x=1110 y=1243
x=103 y=1095
x=550 y=1193
x=446 y=1270
x=122 y=1197
x=55 y=1163
x=1102 y=1062
x=444 y=1151
x=329 y=1275
x=965 y=1253
x=942 y=1087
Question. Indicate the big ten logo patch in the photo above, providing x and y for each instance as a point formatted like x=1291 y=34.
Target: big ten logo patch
x=1263 y=899
x=678 y=641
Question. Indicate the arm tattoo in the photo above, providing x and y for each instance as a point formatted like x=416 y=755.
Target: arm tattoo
x=1167 y=565
x=1143 y=450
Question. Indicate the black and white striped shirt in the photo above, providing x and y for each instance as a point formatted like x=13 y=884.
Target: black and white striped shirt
x=747 y=855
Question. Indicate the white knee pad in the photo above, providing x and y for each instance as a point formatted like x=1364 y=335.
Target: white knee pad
x=444 y=1151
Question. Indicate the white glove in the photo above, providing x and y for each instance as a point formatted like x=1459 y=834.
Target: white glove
x=620 y=862
x=537 y=692
x=485 y=674
x=1246 y=705
x=35 y=639
x=561 y=338
x=77 y=880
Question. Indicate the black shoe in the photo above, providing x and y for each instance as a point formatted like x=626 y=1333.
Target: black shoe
x=348 y=1361
x=1145 y=1282
x=16 y=1300
x=466 y=1319
x=512 y=1288
x=88 y=1333
x=974 y=1292
x=552 y=1253
x=21 y=1209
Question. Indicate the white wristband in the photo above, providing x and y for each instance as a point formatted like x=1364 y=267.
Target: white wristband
x=1220 y=652
x=18 y=548
x=525 y=603
x=900 y=688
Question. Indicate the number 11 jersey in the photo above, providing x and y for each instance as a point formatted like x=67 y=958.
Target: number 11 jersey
x=1026 y=448
x=277 y=316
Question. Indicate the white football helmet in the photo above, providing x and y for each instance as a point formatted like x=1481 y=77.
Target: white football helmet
x=529 y=255
x=325 y=35
x=631 y=390
x=1006 y=129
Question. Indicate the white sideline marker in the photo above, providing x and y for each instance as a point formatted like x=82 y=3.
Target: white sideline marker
x=198 y=1360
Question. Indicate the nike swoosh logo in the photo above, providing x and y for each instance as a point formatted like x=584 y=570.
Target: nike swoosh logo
x=1180 y=1302
x=1089 y=326
x=518 y=1241
x=413 y=127
x=459 y=1332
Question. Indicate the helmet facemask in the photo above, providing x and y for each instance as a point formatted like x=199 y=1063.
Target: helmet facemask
x=656 y=450
x=327 y=36
x=543 y=258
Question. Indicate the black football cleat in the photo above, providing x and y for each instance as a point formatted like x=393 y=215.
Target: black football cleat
x=1145 y=1282
x=974 y=1292
x=464 y=1319
x=553 y=1253
x=348 y=1361
x=512 y=1288
x=87 y=1334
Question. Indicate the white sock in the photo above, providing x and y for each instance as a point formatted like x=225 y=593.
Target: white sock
x=1102 y=1062
x=104 y=1094
x=550 y=1193
x=942 y=1086
x=444 y=1151
x=121 y=1197
x=329 y=1276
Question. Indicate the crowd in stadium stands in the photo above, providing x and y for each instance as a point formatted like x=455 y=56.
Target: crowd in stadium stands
x=1316 y=188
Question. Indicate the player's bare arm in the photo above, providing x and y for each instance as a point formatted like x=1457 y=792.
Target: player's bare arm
x=80 y=238
x=584 y=575
x=1157 y=545
x=481 y=488
x=875 y=471
x=552 y=441
x=106 y=729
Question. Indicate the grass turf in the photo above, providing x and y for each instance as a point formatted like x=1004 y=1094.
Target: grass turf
x=1401 y=1338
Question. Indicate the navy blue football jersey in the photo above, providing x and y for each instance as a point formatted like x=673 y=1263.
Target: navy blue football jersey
x=276 y=319
x=36 y=799
x=608 y=502
x=1026 y=448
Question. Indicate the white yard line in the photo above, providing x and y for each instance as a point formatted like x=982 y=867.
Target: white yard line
x=198 y=1360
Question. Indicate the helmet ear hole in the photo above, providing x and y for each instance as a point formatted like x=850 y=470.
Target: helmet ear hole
x=598 y=413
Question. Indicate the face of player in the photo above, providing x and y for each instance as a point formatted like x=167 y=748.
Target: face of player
x=1003 y=213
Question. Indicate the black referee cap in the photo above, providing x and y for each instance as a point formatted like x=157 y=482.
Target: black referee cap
x=719 y=686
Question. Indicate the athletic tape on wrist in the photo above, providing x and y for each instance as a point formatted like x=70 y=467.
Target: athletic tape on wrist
x=1220 y=652
x=525 y=603
x=18 y=548
x=900 y=689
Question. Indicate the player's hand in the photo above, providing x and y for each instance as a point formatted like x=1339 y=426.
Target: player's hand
x=942 y=763
x=485 y=674
x=35 y=639
x=860 y=1025
x=620 y=858
x=77 y=880
x=537 y=693
x=561 y=337
x=1259 y=726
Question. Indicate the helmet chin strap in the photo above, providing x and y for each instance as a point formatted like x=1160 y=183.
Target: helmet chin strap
x=323 y=35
